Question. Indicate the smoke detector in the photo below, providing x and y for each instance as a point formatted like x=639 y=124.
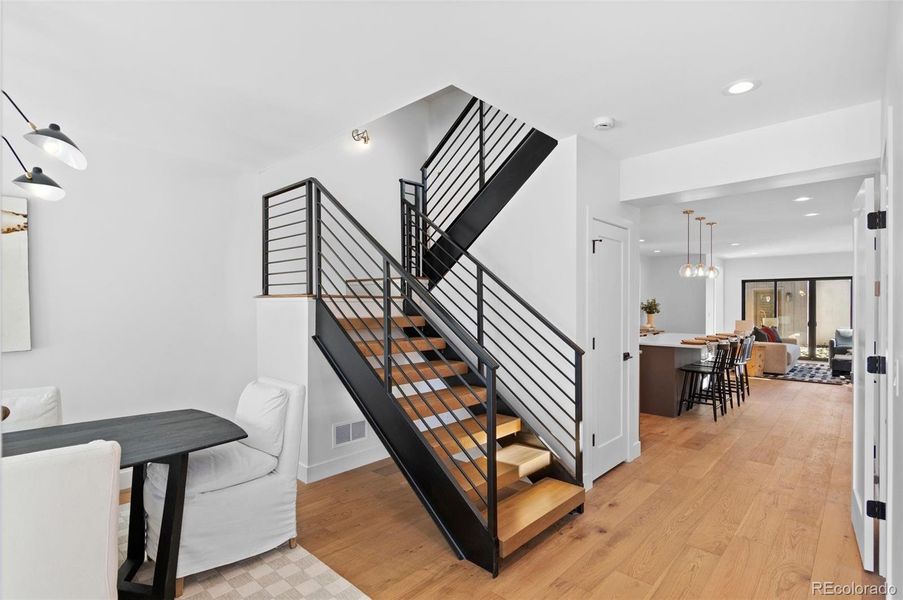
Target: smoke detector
x=602 y=123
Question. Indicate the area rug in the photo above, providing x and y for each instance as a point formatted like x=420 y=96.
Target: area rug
x=282 y=573
x=811 y=372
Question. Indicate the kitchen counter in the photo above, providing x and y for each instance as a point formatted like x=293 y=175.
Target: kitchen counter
x=661 y=379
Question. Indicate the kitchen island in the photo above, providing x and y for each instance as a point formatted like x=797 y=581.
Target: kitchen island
x=661 y=379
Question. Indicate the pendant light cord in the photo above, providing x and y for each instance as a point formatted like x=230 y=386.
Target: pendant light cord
x=13 y=150
x=688 y=238
x=19 y=110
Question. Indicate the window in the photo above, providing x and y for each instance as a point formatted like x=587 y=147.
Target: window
x=808 y=310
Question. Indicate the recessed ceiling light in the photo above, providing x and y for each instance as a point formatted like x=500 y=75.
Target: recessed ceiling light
x=741 y=87
x=811 y=214
x=656 y=251
x=802 y=199
x=641 y=241
x=735 y=244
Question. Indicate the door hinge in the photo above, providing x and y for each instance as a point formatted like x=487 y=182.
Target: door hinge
x=877 y=288
x=876 y=509
x=594 y=343
x=876 y=365
x=877 y=219
x=594 y=440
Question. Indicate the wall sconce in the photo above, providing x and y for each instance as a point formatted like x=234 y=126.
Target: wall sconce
x=360 y=136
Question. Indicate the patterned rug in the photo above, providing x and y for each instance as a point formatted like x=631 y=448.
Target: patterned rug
x=280 y=573
x=811 y=372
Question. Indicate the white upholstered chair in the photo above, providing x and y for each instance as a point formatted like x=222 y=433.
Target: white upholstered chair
x=30 y=408
x=240 y=498
x=59 y=522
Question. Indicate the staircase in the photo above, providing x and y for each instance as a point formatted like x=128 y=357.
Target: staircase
x=474 y=394
x=478 y=166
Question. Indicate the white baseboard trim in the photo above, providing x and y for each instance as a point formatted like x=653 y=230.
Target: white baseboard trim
x=634 y=452
x=340 y=464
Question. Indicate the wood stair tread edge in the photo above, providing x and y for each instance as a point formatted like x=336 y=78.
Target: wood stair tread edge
x=526 y=514
x=468 y=430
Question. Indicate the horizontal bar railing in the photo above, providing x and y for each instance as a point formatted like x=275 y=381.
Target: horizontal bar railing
x=312 y=245
x=286 y=231
x=540 y=367
x=470 y=153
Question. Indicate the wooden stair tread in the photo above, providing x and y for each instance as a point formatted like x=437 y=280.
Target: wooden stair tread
x=424 y=371
x=505 y=474
x=425 y=404
x=377 y=322
x=398 y=346
x=527 y=459
x=504 y=425
x=526 y=514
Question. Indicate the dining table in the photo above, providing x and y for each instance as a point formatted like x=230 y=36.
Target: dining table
x=162 y=437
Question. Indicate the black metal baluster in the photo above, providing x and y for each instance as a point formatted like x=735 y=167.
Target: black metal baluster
x=265 y=224
x=308 y=237
x=387 y=322
x=578 y=414
x=491 y=471
x=480 y=309
x=482 y=148
x=318 y=201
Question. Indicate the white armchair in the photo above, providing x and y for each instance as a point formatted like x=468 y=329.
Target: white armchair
x=240 y=498
x=30 y=408
x=59 y=522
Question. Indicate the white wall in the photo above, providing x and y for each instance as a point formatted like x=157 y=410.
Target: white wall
x=838 y=264
x=443 y=108
x=892 y=135
x=137 y=303
x=683 y=301
x=838 y=138
x=362 y=177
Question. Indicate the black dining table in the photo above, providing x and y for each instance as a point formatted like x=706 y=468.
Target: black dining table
x=163 y=437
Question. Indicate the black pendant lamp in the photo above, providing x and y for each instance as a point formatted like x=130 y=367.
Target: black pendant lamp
x=34 y=182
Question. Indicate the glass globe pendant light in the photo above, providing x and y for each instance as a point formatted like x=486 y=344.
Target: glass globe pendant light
x=687 y=269
x=712 y=272
x=699 y=269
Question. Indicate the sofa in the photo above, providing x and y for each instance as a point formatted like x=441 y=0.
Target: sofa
x=780 y=357
x=840 y=353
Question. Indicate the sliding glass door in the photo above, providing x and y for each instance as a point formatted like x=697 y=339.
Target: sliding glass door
x=808 y=310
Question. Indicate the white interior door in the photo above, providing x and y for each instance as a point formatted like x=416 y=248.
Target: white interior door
x=606 y=439
x=867 y=341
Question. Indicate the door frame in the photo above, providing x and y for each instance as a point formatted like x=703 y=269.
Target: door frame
x=813 y=301
x=631 y=321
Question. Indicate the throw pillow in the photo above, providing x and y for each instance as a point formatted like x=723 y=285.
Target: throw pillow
x=772 y=334
x=759 y=335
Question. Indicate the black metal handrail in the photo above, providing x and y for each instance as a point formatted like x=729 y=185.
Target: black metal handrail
x=469 y=155
x=344 y=263
x=540 y=366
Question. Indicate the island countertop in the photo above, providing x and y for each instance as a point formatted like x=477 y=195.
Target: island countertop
x=671 y=340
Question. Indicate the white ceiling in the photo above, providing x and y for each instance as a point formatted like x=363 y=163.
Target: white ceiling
x=248 y=83
x=767 y=223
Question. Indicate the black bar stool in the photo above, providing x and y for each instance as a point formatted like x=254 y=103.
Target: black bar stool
x=706 y=383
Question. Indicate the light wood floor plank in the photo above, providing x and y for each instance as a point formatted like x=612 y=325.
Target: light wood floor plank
x=755 y=505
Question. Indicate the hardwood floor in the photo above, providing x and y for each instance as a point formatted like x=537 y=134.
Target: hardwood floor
x=753 y=506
